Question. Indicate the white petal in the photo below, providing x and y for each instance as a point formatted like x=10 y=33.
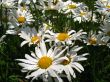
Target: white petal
x=50 y=52
x=78 y=66
x=58 y=68
x=48 y=40
x=43 y=48
x=11 y=32
x=60 y=53
x=26 y=61
x=85 y=54
x=27 y=66
x=68 y=74
x=36 y=73
x=38 y=52
x=53 y=74
x=81 y=59
x=78 y=48
x=50 y=32
x=72 y=31
x=23 y=43
x=33 y=54
x=30 y=58
x=72 y=71
x=59 y=60
x=24 y=35
x=24 y=70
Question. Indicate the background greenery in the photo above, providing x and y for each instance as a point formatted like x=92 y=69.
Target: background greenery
x=97 y=67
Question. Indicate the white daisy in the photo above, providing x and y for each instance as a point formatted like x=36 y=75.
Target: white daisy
x=18 y=19
x=43 y=62
x=105 y=27
x=95 y=39
x=64 y=37
x=73 y=62
x=105 y=31
x=30 y=36
x=50 y=5
x=21 y=16
x=84 y=15
x=7 y=3
x=71 y=7
x=103 y=6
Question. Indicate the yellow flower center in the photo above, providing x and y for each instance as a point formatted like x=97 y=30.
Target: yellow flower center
x=108 y=6
x=93 y=40
x=82 y=13
x=44 y=62
x=62 y=36
x=21 y=19
x=72 y=6
x=35 y=39
x=66 y=62
x=23 y=8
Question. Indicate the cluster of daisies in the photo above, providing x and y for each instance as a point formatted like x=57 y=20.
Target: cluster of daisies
x=55 y=53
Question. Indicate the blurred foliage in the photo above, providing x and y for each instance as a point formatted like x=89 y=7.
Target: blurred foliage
x=97 y=67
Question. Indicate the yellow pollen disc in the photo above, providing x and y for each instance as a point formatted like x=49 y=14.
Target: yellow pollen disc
x=44 y=62
x=72 y=6
x=24 y=8
x=21 y=19
x=108 y=6
x=35 y=39
x=66 y=62
x=62 y=36
x=82 y=13
x=92 y=40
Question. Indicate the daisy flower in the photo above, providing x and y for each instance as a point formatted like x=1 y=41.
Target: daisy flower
x=18 y=19
x=30 y=36
x=84 y=15
x=105 y=28
x=21 y=16
x=43 y=62
x=103 y=6
x=95 y=39
x=73 y=62
x=105 y=31
x=7 y=3
x=71 y=7
x=64 y=37
x=50 y=5
x=24 y=16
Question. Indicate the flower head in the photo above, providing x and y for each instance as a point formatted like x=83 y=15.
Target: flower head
x=72 y=62
x=64 y=37
x=7 y=3
x=30 y=36
x=43 y=62
x=103 y=6
x=71 y=7
x=50 y=5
